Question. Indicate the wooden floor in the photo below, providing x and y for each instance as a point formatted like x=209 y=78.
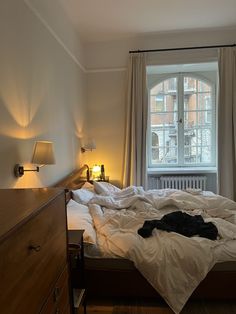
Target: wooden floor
x=149 y=307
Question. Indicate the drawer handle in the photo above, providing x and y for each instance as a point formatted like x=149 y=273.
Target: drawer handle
x=35 y=248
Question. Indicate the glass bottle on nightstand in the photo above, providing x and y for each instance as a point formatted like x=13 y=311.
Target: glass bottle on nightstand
x=103 y=178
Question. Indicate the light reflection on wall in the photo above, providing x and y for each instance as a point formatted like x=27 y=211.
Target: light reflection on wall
x=78 y=134
x=18 y=132
x=24 y=83
x=29 y=180
x=19 y=116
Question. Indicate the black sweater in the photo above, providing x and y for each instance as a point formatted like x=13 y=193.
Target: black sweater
x=182 y=223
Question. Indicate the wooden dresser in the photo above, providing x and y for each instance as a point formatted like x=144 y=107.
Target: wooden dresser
x=33 y=252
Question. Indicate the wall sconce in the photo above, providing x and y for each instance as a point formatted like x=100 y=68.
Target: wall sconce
x=43 y=154
x=89 y=145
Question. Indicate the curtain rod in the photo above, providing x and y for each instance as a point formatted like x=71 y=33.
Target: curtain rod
x=184 y=48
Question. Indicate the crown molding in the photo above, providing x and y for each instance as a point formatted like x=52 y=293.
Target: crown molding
x=63 y=45
x=103 y=70
x=54 y=34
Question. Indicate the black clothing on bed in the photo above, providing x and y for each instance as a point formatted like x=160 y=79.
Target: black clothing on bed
x=182 y=223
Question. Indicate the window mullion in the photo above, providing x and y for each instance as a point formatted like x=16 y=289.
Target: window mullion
x=149 y=137
x=180 y=118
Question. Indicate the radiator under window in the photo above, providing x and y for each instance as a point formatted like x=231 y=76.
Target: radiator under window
x=180 y=182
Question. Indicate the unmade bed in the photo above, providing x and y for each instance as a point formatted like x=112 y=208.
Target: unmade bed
x=119 y=262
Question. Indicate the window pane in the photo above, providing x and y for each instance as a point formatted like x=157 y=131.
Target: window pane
x=157 y=89
x=203 y=87
x=198 y=154
x=190 y=142
x=171 y=102
x=190 y=137
x=206 y=154
x=205 y=137
x=190 y=154
x=190 y=102
x=190 y=85
x=170 y=85
x=204 y=101
x=190 y=119
x=163 y=119
x=157 y=155
x=201 y=118
x=164 y=145
x=204 y=118
x=157 y=103
x=171 y=155
x=157 y=137
x=163 y=96
x=208 y=117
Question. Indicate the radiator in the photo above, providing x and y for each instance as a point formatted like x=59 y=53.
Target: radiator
x=183 y=182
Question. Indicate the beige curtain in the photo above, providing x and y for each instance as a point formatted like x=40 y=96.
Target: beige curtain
x=135 y=168
x=227 y=123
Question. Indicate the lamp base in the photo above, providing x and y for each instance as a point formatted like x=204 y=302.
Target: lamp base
x=18 y=170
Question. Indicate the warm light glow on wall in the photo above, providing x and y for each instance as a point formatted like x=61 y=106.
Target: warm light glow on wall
x=23 y=89
x=19 y=132
x=18 y=120
x=29 y=180
x=18 y=106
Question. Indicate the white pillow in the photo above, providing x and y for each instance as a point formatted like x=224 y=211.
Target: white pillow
x=105 y=188
x=82 y=196
x=73 y=205
x=88 y=186
x=78 y=217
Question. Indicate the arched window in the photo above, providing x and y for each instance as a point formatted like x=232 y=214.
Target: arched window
x=182 y=117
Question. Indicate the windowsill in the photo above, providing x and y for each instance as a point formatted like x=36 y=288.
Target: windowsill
x=180 y=170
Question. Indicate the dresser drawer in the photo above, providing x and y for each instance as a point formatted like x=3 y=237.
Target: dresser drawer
x=58 y=299
x=67 y=309
x=32 y=258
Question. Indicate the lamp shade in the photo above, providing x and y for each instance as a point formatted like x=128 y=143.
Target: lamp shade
x=43 y=153
x=87 y=144
x=90 y=144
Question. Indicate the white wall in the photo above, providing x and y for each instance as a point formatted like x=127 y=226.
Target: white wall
x=42 y=95
x=106 y=63
x=106 y=110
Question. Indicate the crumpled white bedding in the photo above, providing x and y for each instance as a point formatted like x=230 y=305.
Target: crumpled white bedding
x=173 y=264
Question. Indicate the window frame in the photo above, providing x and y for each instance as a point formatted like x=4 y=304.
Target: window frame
x=180 y=114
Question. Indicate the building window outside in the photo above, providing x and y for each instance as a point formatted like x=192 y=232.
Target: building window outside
x=182 y=122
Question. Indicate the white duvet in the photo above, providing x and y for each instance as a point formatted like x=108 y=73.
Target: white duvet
x=173 y=264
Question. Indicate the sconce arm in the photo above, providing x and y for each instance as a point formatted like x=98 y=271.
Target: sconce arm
x=19 y=170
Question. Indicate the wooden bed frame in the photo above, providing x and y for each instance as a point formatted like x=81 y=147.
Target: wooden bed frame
x=106 y=278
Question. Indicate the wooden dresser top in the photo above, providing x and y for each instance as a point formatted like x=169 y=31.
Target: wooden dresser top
x=18 y=205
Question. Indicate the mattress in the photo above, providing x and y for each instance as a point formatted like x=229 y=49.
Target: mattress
x=94 y=259
x=113 y=264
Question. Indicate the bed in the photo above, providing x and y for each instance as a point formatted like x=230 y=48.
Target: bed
x=111 y=275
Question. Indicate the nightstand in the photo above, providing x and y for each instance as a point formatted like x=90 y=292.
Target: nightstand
x=76 y=259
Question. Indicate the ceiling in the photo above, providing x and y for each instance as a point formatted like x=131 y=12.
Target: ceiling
x=99 y=20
